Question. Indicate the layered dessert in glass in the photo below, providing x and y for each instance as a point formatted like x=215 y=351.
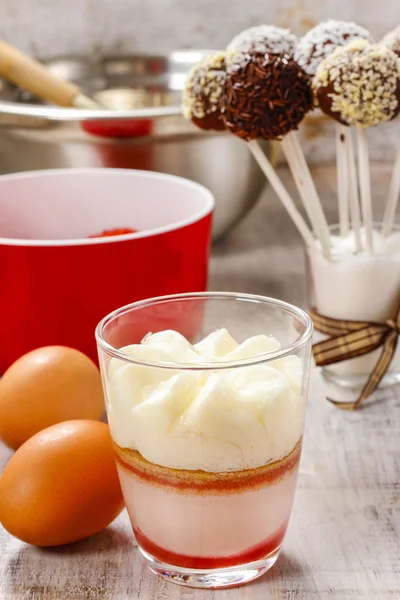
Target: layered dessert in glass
x=207 y=436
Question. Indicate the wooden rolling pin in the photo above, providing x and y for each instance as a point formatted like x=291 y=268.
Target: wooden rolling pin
x=34 y=77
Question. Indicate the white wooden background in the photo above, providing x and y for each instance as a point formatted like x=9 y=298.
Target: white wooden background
x=49 y=27
x=343 y=541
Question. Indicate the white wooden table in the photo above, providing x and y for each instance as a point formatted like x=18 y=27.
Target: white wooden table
x=344 y=537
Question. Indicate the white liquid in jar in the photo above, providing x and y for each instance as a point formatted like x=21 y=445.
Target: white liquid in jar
x=358 y=286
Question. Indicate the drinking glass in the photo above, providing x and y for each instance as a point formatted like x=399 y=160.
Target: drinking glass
x=207 y=450
x=357 y=287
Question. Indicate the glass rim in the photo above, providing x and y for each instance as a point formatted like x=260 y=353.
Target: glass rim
x=375 y=224
x=335 y=227
x=207 y=366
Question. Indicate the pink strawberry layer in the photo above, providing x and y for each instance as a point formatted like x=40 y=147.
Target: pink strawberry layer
x=262 y=550
x=205 y=525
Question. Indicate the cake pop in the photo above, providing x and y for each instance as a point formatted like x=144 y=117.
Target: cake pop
x=264 y=38
x=392 y=40
x=264 y=96
x=359 y=84
x=202 y=91
x=323 y=39
x=261 y=95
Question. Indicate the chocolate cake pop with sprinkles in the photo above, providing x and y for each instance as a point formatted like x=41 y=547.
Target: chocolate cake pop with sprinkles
x=265 y=96
x=264 y=38
x=392 y=40
x=323 y=39
x=202 y=91
x=359 y=84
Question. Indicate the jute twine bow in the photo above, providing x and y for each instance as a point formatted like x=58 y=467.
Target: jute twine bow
x=349 y=339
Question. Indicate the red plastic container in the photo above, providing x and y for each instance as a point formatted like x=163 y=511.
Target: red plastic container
x=56 y=284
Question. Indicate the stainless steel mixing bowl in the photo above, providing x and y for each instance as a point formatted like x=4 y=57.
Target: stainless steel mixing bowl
x=143 y=88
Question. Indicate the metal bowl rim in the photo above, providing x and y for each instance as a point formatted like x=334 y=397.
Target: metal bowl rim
x=54 y=113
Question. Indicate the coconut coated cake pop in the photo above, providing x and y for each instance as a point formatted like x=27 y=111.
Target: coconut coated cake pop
x=359 y=84
x=264 y=38
x=392 y=40
x=264 y=96
x=323 y=39
x=202 y=91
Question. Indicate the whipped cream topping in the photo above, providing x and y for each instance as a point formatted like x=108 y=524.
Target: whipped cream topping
x=213 y=420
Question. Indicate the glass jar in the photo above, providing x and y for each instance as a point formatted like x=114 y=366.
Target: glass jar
x=207 y=448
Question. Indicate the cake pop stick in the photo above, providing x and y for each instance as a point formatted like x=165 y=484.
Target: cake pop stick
x=312 y=48
x=266 y=96
x=355 y=215
x=281 y=192
x=359 y=85
x=201 y=105
x=306 y=188
x=342 y=172
x=364 y=178
x=393 y=199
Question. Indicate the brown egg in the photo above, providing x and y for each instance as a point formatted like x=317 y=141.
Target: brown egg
x=44 y=387
x=61 y=485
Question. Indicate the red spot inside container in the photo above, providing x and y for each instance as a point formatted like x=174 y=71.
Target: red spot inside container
x=130 y=128
x=112 y=232
x=156 y=67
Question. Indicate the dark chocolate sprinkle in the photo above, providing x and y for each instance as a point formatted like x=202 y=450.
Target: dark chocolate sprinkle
x=265 y=96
